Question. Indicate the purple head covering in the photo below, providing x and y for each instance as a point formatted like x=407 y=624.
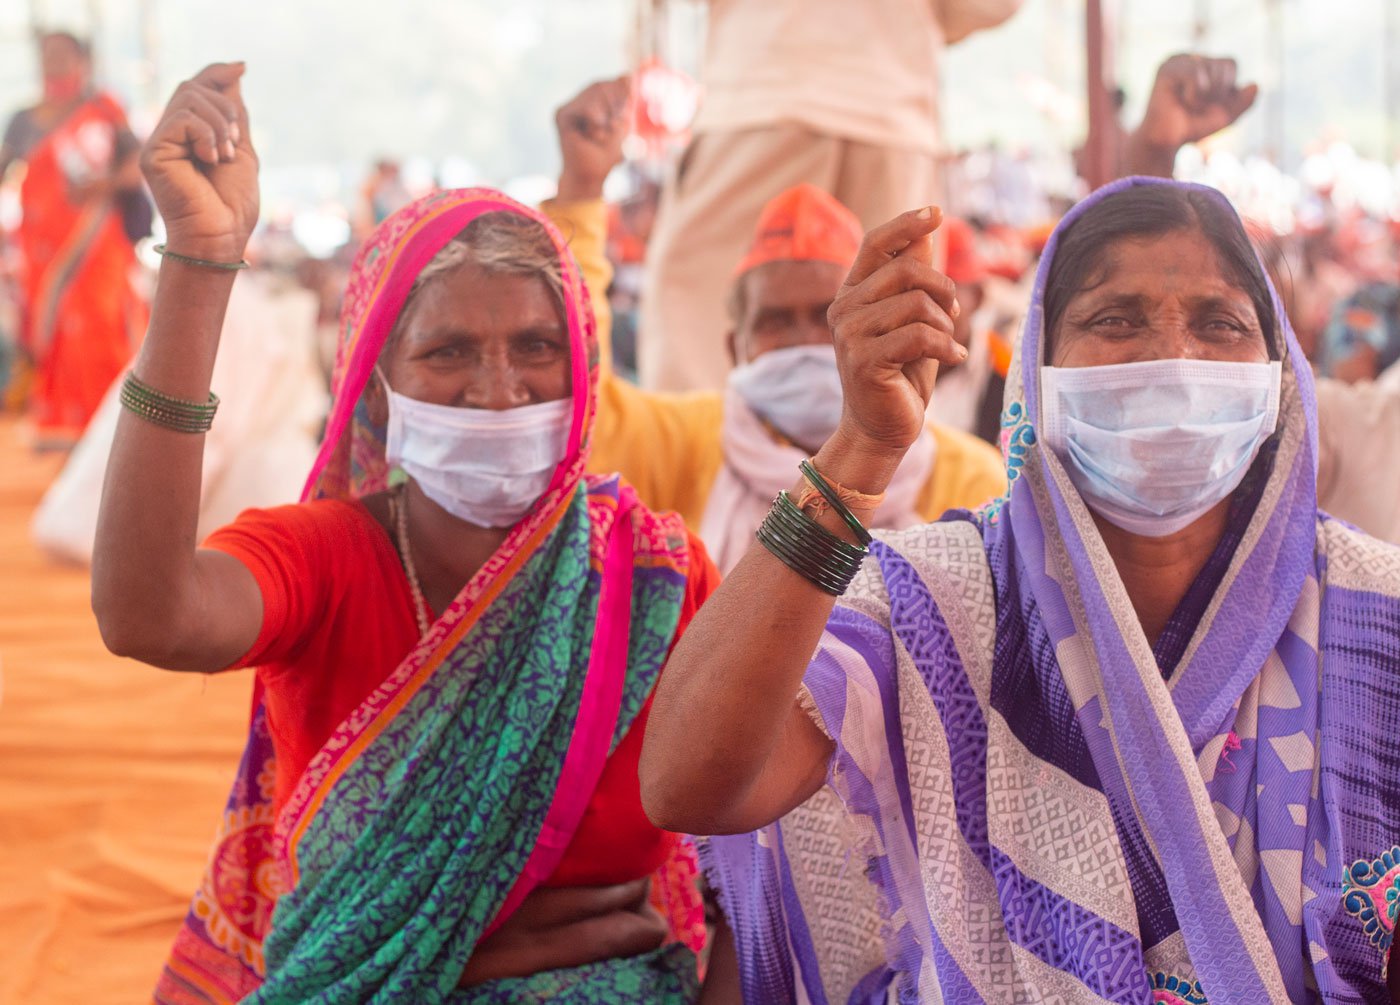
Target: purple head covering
x=1038 y=807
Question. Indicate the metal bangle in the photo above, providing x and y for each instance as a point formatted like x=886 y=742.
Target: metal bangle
x=203 y=263
x=165 y=411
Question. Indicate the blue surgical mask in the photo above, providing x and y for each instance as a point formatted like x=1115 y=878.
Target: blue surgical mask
x=796 y=390
x=1152 y=446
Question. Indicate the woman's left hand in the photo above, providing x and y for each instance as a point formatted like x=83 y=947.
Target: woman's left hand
x=592 y=128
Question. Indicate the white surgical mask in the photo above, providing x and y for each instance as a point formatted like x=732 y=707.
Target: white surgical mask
x=483 y=466
x=797 y=390
x=1152 y=446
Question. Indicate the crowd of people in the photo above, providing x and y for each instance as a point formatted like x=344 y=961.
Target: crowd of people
x=770 y=589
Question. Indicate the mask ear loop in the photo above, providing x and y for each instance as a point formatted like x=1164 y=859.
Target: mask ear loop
x=392 y=413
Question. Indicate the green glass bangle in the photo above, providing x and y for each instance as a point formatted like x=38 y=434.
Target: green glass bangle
x=808 y=548
x=822 y=542
x=163 y=410
x=809 y=471
x=203 y=263
x=791 y=556
x=830 y=577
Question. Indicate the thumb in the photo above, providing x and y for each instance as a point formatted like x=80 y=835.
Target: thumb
x=1241 y=100
x=221 y=76
x=621 y=95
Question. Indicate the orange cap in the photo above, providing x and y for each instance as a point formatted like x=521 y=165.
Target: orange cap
x=803 y=224
x=965 y=264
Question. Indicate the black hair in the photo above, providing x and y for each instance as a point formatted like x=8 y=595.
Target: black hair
x=1144 y=211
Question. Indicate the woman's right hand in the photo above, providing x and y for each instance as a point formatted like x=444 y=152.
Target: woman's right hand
x=592 y=127
x=893 y=324
x=568 y=927
x=201 y=167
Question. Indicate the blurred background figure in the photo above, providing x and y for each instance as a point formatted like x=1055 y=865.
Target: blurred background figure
x=783 y=398
x=630 y=224
x=384 y=192
x=259 y=451
x=1358 y=465
x=839 y=95
x=960 y=388
x=82 y=207
x=1363 y=338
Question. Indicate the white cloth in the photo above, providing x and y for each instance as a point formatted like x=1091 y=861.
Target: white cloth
x=865 y=71
x=757 y=467
x=1358 y=469
x=263 y=441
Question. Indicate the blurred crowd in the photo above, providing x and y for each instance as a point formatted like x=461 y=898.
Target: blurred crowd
x=77 y=267
x=690 y=340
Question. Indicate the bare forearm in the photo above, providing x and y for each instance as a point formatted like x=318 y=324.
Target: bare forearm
x=143 y=573
x=1142 y=157
x=722 y=709
x=726 y=748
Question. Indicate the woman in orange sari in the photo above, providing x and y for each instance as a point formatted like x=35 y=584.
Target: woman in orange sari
x=82 y=316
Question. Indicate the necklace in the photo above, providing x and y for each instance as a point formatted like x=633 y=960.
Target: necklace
x=398 y=502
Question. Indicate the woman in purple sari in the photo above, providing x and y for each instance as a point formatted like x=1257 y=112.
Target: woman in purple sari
x=1128 y=734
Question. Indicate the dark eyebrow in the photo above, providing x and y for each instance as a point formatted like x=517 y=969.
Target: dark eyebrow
x=443 y=335
x=1130 y=300
x=545 y=328
x=1215 y=302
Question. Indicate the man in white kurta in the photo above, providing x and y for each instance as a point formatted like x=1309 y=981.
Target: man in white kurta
x=836 y=93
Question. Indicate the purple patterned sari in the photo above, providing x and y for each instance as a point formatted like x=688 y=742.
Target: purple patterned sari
x=1027 y=804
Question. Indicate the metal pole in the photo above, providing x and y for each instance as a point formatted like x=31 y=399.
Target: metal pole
x=1100 y=147
x=1390 y=67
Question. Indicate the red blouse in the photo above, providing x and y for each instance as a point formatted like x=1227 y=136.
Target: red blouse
x=338 y=619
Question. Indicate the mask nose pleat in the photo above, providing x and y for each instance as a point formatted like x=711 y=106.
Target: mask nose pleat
x=797 y=390
x=1152 y=446
x=485 y=466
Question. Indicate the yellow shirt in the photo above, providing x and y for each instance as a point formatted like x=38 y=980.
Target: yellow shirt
x=668 y=445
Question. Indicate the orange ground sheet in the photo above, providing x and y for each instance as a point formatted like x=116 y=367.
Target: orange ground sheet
x=112 y=776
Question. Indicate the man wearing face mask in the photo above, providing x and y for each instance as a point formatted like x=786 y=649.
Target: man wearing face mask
x=718 y=459
x=783 y=399
x=80 y=208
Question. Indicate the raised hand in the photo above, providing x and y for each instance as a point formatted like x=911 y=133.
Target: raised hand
x=893 y=324
x=592 y=128
x=1193 y=97
x=201 y=167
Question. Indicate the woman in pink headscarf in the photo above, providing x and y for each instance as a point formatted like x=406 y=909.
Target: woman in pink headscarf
x=456 y=633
